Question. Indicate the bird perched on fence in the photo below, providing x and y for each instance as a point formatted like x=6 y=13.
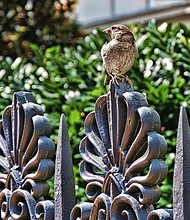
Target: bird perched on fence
x=119 y=54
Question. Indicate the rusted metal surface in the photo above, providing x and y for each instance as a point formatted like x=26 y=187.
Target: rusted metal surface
x=181 y=183
x=122 y=158
x=26 y=161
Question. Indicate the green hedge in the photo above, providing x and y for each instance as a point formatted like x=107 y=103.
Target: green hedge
x=70 y=80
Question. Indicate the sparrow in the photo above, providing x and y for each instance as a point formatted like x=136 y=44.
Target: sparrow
x=119 y=54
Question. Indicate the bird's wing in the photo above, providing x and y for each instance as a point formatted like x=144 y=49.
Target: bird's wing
x=104 y=50
x=109 y=50
x=107 y=53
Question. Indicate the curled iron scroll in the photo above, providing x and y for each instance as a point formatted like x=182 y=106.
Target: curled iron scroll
x=161 y=214
x=81 y=211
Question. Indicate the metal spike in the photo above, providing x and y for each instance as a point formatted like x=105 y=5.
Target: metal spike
x=64 y=179
x=181 y=180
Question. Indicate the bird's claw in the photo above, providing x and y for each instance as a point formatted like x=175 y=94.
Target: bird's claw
x=128 y=80
x=115 y=80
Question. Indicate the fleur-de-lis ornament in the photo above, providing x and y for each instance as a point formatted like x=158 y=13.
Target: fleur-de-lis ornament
x=26 y=161
x=122 y=157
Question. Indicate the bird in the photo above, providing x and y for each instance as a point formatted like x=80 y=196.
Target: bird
x=119 y=54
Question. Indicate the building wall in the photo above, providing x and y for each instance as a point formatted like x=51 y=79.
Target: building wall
x=89 y=11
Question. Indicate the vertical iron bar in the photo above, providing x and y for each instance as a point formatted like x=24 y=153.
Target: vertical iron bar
x=64 y=179
x=181 y=180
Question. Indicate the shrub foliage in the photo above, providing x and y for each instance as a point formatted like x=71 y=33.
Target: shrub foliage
x=45 y=23
x=69 y=80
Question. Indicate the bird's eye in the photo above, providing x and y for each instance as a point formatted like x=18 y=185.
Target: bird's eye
x=113 y=28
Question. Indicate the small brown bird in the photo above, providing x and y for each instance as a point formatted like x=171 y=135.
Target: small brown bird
x=119 y=54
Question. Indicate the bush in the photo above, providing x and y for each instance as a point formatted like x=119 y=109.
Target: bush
x=45 y=23
x=163 y=62
x=70 y=81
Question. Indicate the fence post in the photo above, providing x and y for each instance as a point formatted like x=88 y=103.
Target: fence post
x=122 y=140
x=64 y=186
x=181 y=181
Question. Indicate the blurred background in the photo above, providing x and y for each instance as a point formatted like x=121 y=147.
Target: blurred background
x=52 y=49
x=94 y=13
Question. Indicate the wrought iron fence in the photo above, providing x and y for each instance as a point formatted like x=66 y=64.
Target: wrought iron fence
x=122 y=163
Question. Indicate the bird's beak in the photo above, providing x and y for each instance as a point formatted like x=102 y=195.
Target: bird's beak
x=107 y=31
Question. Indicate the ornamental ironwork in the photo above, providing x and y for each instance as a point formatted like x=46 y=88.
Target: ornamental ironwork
x=26 y=161
x=122 y=156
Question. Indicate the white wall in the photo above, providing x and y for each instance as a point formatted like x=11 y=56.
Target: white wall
x=129 y=6
x=90 y=10
x=95 y=10
x=165 y=2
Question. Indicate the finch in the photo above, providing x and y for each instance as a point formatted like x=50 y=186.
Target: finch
x=119 y=54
